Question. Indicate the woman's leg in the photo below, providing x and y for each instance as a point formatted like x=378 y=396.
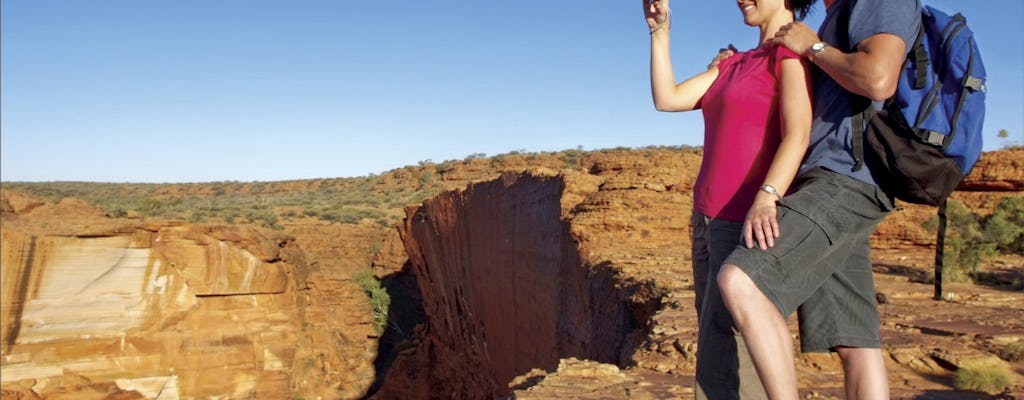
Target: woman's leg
x=724 y=367
x=764 y=330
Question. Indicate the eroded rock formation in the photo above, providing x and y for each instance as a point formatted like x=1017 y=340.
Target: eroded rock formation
x=542 y=283
x=94 y=307
x=505 y=290
x=473 y=251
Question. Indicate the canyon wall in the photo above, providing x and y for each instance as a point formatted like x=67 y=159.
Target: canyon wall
x=543 y=283
x=621 y=224
x=505 y=291
x=95 y=306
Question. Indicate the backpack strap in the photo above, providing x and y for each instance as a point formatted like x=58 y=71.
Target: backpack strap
x=920 y=60
x=861 y=105
x=857 y=138
x=857 y=103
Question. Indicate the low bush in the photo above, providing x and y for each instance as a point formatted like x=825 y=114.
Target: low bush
x=985 y=377
x=1013 y=351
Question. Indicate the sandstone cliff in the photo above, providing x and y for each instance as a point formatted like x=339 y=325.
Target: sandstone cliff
x=537 y=280
x=622 y=226
x=507 y=291
x=94 y=307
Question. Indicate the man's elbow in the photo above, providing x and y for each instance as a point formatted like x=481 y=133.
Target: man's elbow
x=881 y=88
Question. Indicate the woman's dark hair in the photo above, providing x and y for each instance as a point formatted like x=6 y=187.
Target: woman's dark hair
x=801 y=8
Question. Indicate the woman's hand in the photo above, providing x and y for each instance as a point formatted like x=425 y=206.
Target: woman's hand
x=723 y=53
x=761 y=224
x=656 y=12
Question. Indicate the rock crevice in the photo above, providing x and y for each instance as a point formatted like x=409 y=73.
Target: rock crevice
x=506 y=290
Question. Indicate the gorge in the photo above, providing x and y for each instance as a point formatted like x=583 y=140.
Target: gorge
x=540 y=280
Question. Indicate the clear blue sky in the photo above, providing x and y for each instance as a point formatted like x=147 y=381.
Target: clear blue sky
x=199 y=90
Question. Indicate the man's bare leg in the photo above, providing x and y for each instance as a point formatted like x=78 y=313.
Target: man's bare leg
x=865 y=372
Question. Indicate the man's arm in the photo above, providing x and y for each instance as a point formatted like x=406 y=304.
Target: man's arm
x=872 y=71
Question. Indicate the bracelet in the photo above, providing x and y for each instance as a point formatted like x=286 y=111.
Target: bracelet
x=771 y=190
x=668 y=21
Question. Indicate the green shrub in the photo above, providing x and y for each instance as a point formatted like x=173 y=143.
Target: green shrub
x=197 y=217
x=380 y=300
x=1005 y=227
x=966 y=245
x=972 y=240
x=571 y=158
x=986 y=377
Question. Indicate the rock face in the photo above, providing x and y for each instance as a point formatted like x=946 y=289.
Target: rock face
x=626 y=219
x=542 y=283
x=166 y=311
x=996 y=174
x=999 y=171
x=505 y=291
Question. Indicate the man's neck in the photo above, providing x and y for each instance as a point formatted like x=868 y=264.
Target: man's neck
x=829 y=3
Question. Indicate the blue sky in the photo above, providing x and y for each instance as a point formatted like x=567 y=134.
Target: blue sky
x=199 y=90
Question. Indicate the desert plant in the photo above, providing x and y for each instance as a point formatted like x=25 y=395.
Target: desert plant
x=571 y=158
x=966 y=244
x=380 y=300
x=1013 y=351
x=1005 y=227
x=375 y=247
x=982 y=377
x=197 y=216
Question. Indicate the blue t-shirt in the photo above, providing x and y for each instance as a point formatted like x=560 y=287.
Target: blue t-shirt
x=830 y=145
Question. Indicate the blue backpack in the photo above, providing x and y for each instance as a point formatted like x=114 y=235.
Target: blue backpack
x=928 y=135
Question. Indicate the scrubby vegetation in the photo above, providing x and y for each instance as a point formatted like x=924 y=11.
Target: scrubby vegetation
x=376 y=199
x=972 y=239
x=982 y=377
x=1013 y=351
x=378 y=297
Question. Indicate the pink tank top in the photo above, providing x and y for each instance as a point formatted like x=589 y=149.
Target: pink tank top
x=742 y=131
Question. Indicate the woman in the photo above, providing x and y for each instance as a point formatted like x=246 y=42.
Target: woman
x=757 y=117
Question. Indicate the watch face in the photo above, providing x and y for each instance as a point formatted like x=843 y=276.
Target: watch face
x=817 y=47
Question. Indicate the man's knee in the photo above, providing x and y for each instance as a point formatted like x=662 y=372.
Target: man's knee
x=858 y=355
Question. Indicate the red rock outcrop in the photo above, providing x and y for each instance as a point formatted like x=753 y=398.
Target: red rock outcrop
x=505 y=290
x=474 y=250
x=997 y=171
x=94 y=307
x=556 y=281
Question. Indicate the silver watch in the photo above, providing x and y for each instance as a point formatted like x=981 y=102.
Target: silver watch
x=818 y=48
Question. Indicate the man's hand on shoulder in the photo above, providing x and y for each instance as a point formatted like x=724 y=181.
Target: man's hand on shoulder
x=796 y=36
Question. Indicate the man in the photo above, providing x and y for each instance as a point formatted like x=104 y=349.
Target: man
x=815 y=252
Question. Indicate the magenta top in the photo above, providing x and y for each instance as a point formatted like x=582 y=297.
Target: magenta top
x=742 y=131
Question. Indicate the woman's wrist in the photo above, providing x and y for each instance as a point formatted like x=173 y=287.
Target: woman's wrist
x=765 y=199
x=663 y=31
x=770 y=190
x=662 y=27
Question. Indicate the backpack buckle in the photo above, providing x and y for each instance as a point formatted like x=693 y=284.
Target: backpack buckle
x=934 y=138
x=974 y=83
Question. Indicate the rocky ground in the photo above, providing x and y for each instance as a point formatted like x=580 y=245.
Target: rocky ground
x=628 y=212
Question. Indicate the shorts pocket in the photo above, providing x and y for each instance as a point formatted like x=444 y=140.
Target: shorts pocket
x=800 y=244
